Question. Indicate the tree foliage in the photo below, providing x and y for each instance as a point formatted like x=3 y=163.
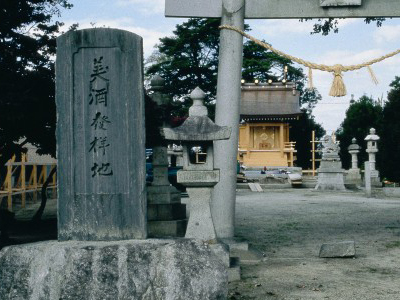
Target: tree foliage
x=390 y=134
x=27 y=46
x=326 y=26
x=187 y=60
x=190 y=58
x=362 y=115
x=301 y=133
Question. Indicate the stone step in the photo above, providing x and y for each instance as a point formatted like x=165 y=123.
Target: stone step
x=248 y=257
x=232 y=264
x=234 y=261
x=166 y=212
x=235 y=244
x=234 y=269
x=241 y=249
x=162 y=229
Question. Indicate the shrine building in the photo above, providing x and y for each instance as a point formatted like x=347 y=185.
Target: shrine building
x=266 y=109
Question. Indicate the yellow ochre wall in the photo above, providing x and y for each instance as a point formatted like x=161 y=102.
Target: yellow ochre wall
x=265 y=144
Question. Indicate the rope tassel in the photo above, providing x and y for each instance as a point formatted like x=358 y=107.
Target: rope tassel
x=338 y=88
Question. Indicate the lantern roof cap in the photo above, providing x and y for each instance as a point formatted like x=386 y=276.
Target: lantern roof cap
x=372 y=136
x=354 y=145
x=198 y=126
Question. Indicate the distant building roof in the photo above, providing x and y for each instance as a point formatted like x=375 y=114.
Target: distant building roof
x=269 y=102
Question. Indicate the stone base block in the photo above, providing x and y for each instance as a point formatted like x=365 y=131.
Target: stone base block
x=166 y=212
x=353 y=176
x=376 y=182
x=163 y=194
x=158 y=229
x=340 y=249
x=330 y=181
x=135 y=269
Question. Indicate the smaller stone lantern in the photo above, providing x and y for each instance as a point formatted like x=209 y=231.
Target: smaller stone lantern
x=197 y=134
x=353 y=175
x=372 y=148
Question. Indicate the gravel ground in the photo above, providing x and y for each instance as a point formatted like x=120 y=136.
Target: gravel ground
x=289 y=226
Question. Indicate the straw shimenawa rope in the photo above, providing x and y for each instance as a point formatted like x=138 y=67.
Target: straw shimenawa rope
x=338 y=88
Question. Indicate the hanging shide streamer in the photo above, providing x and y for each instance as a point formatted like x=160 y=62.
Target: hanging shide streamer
x=372 y=74
x=310 y=79
x=338 y=88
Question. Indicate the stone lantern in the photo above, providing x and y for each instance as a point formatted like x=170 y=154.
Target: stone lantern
x=353 y=175
x=198 y=132
x=166 y=215
x=372 y=148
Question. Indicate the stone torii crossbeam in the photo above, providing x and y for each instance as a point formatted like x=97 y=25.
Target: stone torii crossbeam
x=233 y=12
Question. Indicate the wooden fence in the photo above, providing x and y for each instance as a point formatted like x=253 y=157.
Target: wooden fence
x=25 y=177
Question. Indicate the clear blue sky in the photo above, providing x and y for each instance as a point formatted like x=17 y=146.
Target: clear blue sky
x=355 y=43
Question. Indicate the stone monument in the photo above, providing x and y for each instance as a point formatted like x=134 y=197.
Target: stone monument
x=199 y=178
x=372 y=148
x=353 y=176
x=102 y=204
x=330 y=172
x=166 y=213
x=100 y=129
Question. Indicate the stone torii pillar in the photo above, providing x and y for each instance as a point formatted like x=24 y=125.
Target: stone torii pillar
x=233 y=12
x=228 y=99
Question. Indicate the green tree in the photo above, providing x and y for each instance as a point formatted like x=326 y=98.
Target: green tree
x=187 y=60
x=27 y=46
x=301 y=133
x=190 y=58
x=362 y=115
x=390 y=134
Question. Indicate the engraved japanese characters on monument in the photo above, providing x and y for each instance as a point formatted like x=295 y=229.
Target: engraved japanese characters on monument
x=99 y=86
x=100 y=136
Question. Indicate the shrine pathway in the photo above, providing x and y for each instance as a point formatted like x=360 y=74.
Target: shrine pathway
x=289 y=226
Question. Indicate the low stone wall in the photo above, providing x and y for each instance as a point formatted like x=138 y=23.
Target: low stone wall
x=391 y=192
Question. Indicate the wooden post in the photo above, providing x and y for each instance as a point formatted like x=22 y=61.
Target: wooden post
x=281 y=140
x=23 y=181
x=34 y=182
x=250 y=141
x=291 y=155
x=9 y=176
x=54 y=181
x=9 y=183
x=313 y=152
x=42 y=176
x=9 y=201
